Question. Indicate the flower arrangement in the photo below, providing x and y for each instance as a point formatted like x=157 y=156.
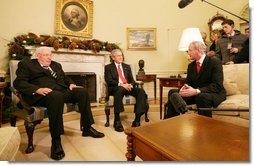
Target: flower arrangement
x=17 y=50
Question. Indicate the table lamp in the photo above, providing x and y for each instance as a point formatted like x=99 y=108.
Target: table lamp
x=189 y=35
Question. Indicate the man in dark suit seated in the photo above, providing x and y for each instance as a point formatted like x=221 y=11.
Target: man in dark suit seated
x=43 y=82
x=120 y=82
x=204 y=84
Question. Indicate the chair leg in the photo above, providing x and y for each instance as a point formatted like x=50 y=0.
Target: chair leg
x=13 y=120
x=107 y=112
x=146 y=116
x=30 y=131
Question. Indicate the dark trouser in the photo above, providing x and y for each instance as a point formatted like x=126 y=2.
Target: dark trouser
x=54 y=102
x=139 y=94
x=202 y=100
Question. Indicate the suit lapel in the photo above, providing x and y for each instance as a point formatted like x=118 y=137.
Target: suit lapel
x=114 y=71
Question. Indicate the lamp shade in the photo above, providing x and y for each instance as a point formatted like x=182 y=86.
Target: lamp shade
x=189 y=35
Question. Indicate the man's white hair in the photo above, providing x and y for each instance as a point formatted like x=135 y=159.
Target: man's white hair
x=41 y=50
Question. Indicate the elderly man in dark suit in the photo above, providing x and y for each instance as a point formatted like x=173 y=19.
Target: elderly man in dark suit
x=204 y=84
x=43 y=82
x=120 y=82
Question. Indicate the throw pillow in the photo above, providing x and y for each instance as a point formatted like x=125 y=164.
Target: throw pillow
x=231 y=87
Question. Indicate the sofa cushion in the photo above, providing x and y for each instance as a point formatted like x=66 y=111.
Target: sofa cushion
x=240 y=101
x=231 y=87
x=239 y=74
x=230 y=73
x=242 y=78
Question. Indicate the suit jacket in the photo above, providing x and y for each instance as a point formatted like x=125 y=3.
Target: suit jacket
x=209 y=79
x=112 y=77
x=32 y=76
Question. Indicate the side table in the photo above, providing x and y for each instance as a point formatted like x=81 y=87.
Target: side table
x=148 y=78
x=169 y=82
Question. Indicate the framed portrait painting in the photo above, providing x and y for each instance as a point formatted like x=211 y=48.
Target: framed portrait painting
x=141 y=38
x=74 y=18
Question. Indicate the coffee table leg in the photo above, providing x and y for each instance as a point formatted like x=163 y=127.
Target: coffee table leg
x=129 y=155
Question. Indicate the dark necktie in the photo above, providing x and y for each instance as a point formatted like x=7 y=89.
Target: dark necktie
x=198 y=67
x=52 y=72
x=121 y=75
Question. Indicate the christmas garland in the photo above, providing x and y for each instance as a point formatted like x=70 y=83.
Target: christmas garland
x=17 y=50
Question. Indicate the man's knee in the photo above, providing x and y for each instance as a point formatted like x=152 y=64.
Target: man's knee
x=81 y=92
x=56 y=95
x=204 y=100
x=171 y=91
x=119 y=92
x=203 y=97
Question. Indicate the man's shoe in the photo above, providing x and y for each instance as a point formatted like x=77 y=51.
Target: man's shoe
x=57 y=152
x=135 y=124
x=118 y=126
x=92 y=132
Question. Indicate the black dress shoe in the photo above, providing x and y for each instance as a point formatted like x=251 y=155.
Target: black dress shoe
x=118 y=126
x=92 y=132
x=135 y=124
x=57 y=152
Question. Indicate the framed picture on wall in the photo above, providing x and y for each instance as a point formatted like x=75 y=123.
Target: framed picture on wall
x=141 y=38
x=74 y=18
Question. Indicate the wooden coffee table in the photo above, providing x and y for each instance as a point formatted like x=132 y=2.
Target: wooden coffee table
x=188 y=137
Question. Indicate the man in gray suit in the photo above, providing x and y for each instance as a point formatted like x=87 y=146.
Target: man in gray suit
x=204 y=84
x=43 y=82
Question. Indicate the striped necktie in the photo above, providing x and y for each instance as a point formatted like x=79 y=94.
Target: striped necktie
x=52 y=72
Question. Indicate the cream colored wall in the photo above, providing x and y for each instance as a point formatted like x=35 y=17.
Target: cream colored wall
x=112 y=17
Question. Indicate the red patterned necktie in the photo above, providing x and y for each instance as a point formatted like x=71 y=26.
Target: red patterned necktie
x=120 y=73
x=198 y=66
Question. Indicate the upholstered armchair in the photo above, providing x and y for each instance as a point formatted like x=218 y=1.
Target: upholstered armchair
x=30 y=114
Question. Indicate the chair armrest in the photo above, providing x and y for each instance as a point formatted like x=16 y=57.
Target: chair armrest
x=29 y=109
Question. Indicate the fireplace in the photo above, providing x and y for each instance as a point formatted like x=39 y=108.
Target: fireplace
x=87 y=80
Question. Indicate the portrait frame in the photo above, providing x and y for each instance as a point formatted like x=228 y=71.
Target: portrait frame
x=141 y=39
x=74 y=18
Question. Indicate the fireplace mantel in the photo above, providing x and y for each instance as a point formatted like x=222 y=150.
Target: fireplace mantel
x=78 y=60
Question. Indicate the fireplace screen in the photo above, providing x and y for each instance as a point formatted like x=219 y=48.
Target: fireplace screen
x=87 y=80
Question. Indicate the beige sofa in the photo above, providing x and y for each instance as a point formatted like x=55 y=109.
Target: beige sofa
x=236 y=83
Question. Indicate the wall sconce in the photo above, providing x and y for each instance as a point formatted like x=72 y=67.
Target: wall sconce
x=189 y=35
